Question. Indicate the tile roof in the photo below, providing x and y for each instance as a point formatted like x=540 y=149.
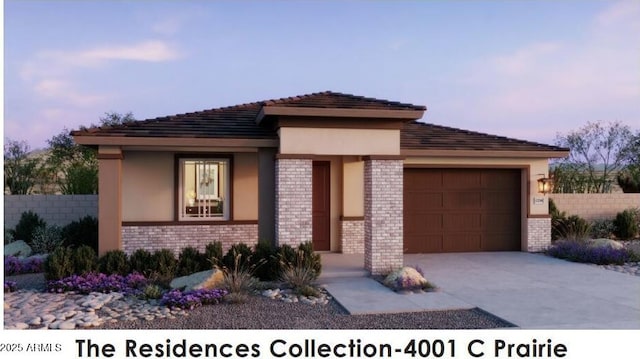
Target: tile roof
x=424 y=136
x=239 y=122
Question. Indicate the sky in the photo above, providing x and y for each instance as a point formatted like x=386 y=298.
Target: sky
x=522 y=69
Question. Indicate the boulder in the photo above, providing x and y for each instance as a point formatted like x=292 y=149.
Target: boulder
x=604 y=243
x=201 y=280
x=17 y=249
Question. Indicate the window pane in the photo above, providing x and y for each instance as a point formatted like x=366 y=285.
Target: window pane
x=203 y=189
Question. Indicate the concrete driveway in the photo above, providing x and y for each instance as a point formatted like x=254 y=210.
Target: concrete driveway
x=535 y=291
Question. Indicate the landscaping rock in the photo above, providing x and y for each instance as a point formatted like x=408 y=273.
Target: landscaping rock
x=201 y=280
x=605 y=243
x=17 y=249
x=405 y=278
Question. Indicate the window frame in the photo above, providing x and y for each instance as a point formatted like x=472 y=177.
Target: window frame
x=227 y=214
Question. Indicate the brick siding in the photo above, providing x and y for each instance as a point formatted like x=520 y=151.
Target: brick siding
x=352 y=236
x=383 y=191
x=539 y=234
x=293 y=201
x=180 y=236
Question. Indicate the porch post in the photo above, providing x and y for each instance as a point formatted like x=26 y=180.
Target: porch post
x=383 y=191
x=109 y=199
x=293 y=200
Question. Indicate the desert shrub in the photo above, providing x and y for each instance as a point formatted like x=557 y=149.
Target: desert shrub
x=629 y=179
x=626 y=224
x=238 y=255
x=114 y=262
x=574 y=228
x=407 y=278
x=82 y=232
x=238 y=279
x=152 y=291
x=8 y=236
x=141 y=261
x=46 y=239
x=190 y=261
x=10 y=286
x=59 y=264
x=164 y=264
x=602 y=228
x=213 y=253
x=299 y=267
x=85 y=260
x=28 y=223
x=266 y=260
x=557 y=218
x=581 y=252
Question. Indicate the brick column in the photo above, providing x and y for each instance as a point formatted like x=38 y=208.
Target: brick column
x=383 y=190
x=538 y=234
x=293 y=200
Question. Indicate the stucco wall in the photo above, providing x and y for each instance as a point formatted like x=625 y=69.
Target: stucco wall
x=592 y=206
x=339 y=141
x=148 y=186
x=53 y=209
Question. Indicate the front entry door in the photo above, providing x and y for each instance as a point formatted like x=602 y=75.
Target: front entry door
x=321 y=206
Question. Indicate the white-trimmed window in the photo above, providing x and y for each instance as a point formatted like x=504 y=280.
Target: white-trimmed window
x=203 y=192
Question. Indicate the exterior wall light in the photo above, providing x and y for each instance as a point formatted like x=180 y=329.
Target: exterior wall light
x=545 y=185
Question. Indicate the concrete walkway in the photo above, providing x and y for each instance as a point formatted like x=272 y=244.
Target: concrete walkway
x=529 y=290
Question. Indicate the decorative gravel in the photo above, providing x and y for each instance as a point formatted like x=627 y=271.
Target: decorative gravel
x=264 y=313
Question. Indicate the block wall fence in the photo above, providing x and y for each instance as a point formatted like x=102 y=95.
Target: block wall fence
x=53 y=209
x=592 y=206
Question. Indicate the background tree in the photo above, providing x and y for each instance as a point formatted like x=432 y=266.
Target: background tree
x=77 y=165
x=629 y=177
x=20 y=170
x=598 y=150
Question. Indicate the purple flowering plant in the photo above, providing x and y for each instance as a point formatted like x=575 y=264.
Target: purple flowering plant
x=131 y=284
x=10 y=286
x=14 y=265
x=576 y=251
x=192 y=299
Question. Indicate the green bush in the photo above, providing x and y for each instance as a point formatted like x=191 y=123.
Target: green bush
x=152 y=291
x=164 y=264
x=84 y=260
x=238 y=255
x=190 y=261
x=141 y=261
x=626 y=224
x=629 y=179
x=59 y=264
x=28 y=223
x=114 y=262
x=82 y=232
x=46 y=239
x=602 y=228
x=213 y=254
x=266 y=261
x=301 y=266
x=310 y=258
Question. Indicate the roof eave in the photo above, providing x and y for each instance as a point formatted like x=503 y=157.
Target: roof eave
x=485 y=153
x=93 y=140
x=404 y=115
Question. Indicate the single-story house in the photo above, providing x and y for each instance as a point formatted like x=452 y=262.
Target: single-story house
x=351 y=174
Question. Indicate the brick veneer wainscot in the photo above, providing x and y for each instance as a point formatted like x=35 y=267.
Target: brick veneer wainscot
x=538 y=234
x=383 y=191
x=179 y=236
x=352 y=236
x=294 y=201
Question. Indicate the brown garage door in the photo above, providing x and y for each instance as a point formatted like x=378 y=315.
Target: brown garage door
x=461 y=210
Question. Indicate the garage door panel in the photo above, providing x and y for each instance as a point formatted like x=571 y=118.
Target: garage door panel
x=462 y=242
x=462 y=200
x=453 y=222
x=462 y=210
